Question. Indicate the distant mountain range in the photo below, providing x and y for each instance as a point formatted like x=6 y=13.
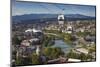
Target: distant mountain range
x=49 y=17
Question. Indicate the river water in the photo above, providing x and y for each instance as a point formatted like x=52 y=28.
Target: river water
x=64 y=46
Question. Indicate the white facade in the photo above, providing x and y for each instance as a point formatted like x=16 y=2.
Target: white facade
x=74 y=60
x=25 y=43
x=32 y=30
x=28 y=30
x=69 y=29
x=61 y=19
x=37 y=50
x=61 y=16
x=82 y=50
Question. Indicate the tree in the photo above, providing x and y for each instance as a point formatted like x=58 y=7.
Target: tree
x=18 y=61
x=71 y=54
x=82 y=56
x=52 y=53
x=16 y=40
x=35 y=59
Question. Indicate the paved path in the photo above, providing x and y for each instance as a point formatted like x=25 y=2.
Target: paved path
x=52 y=34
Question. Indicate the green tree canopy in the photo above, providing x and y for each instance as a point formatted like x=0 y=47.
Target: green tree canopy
x=52 y=53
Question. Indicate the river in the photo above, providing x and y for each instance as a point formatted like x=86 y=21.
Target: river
x=64 y=46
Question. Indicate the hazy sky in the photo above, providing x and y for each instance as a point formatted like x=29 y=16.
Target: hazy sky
x=20 y=8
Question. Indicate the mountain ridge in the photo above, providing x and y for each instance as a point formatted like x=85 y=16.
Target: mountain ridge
x=48 y=17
